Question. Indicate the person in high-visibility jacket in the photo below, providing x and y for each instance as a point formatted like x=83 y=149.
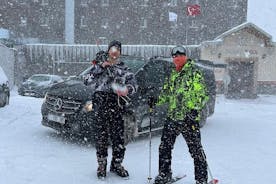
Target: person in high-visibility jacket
x=185 y=93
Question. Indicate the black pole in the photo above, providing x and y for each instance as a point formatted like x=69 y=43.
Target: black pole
x=151 y=104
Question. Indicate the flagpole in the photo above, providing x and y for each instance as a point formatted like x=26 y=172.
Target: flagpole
x=186 y=30
x=191 y=10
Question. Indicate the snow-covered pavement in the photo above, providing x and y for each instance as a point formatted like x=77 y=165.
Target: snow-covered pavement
x=239 y=140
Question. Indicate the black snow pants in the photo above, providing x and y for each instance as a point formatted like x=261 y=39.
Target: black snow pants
x=191 y=133
x=109 y=122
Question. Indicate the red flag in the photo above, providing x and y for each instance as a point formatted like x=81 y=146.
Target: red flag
x=193 y=10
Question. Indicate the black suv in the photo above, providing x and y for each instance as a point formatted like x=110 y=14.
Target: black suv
x=68 y=107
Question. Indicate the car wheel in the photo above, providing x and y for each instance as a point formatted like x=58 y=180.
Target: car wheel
x=130 y=128
x=3 y=99
x=203 y=116
x=7 y=100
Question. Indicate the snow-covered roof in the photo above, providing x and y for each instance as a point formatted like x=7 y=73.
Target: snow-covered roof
x=242 y=26
x=210 y=42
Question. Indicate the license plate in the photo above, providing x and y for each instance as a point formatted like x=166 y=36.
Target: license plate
x=56 y=118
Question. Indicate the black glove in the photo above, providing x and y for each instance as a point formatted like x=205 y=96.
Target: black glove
x=193 y=114
x=101 y=57
x=152 y=101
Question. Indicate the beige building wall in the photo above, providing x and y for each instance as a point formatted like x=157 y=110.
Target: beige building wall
x=246 y=47
x=267 y=65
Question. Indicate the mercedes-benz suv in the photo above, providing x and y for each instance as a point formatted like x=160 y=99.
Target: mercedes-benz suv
x=68 y=106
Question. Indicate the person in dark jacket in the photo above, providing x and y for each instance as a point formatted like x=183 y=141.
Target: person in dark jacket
x=186 y=94
x=113 y=85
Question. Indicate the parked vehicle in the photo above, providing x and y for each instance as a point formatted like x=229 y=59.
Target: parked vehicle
x=4 y=89
x=37 y=85
x=68 y=105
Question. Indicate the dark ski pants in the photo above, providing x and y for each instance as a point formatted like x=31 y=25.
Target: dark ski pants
x=109 y=123
x=191 y=133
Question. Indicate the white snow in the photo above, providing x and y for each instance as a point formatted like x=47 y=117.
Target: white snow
x=239 y=140
x=263 y=13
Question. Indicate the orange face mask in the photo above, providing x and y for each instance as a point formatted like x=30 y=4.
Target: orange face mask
x=179 y=62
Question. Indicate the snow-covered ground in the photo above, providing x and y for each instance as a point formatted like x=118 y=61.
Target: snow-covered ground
x=239 y=141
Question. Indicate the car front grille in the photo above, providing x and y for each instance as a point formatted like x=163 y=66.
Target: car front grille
x=61 y=105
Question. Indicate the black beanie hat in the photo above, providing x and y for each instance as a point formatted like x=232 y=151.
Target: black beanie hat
x=116 y=44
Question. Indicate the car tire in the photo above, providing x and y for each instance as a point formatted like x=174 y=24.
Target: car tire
x=3 y=99
x=7 y=100
x=130 y=126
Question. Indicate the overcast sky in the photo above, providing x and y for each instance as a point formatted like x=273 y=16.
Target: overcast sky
x=263 y=14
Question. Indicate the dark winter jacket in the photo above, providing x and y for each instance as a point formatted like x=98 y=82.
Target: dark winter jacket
x=101 y=78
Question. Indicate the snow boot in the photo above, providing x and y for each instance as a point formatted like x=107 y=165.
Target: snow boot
x=117 y=168
x=163 y=178
x=101 y=171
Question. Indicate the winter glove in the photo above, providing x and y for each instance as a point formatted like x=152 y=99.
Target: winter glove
x=101 y=57
x=152 y=101
x=119 y=89
x=193 y=114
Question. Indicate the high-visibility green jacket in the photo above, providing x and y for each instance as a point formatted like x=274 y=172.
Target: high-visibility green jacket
x=184 y=91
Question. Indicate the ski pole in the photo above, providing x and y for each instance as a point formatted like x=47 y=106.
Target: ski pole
x=150 y=103
x=213 y=181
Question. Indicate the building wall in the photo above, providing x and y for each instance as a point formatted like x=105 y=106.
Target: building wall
x=245 y=47
x=267 y=65
x=125 y=21
x=132 y=22
x=33 y=20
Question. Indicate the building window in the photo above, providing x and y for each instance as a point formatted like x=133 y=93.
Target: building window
x=173 y=26
x=145 y=3
x=44 y=20
x=83 y=22
x=234 y=4
x=21 y=2
x=44 y=2
x=173 y=3
x=84 y=3
x=23 y=21
x=144 y=23
x=105 y=2
x=105 y=23
x=194 y=24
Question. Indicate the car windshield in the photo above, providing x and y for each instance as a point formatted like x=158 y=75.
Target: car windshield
x=132 y=62
x=40 y=78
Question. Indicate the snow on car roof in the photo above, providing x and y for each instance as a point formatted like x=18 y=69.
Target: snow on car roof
x=47 y=75
x=3 y=77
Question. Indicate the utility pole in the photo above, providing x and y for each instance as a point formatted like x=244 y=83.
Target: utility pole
x=69 y=21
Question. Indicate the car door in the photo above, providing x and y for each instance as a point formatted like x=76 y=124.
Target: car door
x=150 y=79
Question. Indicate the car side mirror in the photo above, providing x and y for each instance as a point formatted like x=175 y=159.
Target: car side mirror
x=71 y=77
x=55 y=81
x=25 y=79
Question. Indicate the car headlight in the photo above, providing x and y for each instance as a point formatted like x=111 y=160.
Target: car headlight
x=45 y=97
x=88 y=106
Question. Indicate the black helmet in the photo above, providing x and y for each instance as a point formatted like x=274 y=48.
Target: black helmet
x=178 y=50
